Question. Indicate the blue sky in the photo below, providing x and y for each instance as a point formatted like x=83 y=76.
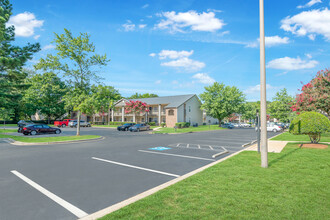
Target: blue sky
x=179 y=47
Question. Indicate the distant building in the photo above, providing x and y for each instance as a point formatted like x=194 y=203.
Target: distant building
x=166 y=109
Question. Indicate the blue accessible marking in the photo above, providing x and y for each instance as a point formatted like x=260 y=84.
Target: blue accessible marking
x=160 y=148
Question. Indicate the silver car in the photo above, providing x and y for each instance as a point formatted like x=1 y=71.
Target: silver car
x=74 y=123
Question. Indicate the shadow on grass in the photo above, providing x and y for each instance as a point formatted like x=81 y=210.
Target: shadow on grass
x=283 y=156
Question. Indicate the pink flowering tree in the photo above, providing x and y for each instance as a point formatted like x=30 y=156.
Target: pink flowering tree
x=136 y=107
x=315 y=95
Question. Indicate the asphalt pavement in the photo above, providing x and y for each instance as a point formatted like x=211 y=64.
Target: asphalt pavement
x=69 y=181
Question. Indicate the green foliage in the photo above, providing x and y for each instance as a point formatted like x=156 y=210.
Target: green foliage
x=250 y=110
x=152 y=123
x=77 y=61
x=163 y=124
x=280 y=108
x=182 y=125
x=221 y=101
x=12 y=60
x=312 y=124
x=45 y=94
x=140 y=96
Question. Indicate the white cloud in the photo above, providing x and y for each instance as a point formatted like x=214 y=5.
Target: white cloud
x=25 y=24
x=145 y=6
x=36 y=37
x=185 y=63
x=309 y=23
x=48 y=47
x=129 y=26
x=152 y=54
x=158 y=82
x=308 y=55
x=177 y=22
x=288 y=63
x=276 y=40
x=141 y=26
x=256 y=88
x=204 y=78
x=270 y=41
x=309 y=4
x=173 y=54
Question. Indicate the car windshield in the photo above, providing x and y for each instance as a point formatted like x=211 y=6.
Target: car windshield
x=127 y=124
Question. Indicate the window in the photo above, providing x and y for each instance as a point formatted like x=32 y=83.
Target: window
x=150 y=108
x=189 y=109
x=142 y=120
x=171 y=112
x=155 y=108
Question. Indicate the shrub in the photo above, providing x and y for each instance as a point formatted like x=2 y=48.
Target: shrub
x=311 y=123
x=163 y=124
x=178 y=125
x=152 y=123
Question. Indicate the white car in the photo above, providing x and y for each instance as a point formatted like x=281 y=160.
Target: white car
x=245 y=125
x=272 y=127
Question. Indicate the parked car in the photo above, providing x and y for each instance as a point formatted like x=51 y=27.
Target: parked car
x=39 y=129
x=228 y=125
x=139 y=127
x=23 y=123
x=272 y=127
x=125 y=127
x=245 y=125
x=236 y=125
x=63 y=123
x=74 y=123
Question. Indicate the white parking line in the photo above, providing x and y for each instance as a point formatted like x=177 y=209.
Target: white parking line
x=136 y=167
x=176 y=155
x=211 y=147
x=71 y=208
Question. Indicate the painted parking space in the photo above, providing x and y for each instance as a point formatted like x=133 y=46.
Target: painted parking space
x=93 y=176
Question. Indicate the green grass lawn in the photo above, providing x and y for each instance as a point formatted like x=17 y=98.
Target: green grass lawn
x=7 y=130
x=8 y=125
x=190 y=129
x=295 y=186
x=49 y=139
x=290 y=137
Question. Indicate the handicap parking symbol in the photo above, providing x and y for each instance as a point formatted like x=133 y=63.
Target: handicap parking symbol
x=159 y=148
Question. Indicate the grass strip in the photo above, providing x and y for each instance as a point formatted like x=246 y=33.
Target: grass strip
x=190 y=129
x=7 y=130
x=49 y=139
x=295 y=186
x=290 y=137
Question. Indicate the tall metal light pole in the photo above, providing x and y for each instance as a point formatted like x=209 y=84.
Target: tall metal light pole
x=263 y=104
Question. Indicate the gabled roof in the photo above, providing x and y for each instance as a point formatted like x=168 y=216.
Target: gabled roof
x=170 y=101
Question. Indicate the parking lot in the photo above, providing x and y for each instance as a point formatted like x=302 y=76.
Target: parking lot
x=69 y=181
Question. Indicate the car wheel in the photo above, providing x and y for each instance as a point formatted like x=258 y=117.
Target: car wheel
x=274 y=130
x=25 y=133
x=57 y=131
x=126 y=129
x=138 y=130
x=89 y=125
x=63 y=126
x=33 y=132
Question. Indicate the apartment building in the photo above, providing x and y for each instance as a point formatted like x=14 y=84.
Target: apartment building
x=167 y=109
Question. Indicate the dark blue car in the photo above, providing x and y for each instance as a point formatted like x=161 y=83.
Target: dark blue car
x=139 y=127
x=228 y=125
x=125 y=127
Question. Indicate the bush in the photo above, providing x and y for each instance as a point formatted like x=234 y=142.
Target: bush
x=182 y=124
x=117 y=123
x=163 y=124
x=152 y=123
x=311 y=123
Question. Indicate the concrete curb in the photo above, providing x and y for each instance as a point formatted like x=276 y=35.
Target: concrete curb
x=19 y=143
x=149 y=192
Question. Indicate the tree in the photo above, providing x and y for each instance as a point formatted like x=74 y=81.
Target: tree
x=45 y=94
x=280 y=107
x=136 y=107
x=311 y=123
x=220 y=101
x=315 y=95
x=6 y=114
x=12 y=60
x=250 y=110
x=141 y=96
x=77 y=61
x=103 y=98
